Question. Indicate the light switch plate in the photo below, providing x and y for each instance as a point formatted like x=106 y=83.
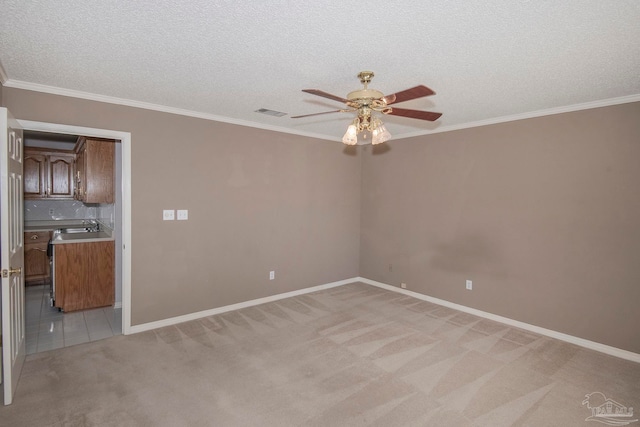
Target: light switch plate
x=183 y=214
x=168 y=214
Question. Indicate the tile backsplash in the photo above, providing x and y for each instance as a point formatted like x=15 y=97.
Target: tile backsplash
x=47 y=210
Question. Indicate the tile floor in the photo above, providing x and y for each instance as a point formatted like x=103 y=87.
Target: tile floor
x=48 y=329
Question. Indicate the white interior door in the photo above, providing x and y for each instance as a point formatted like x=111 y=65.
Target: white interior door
x=12 y=257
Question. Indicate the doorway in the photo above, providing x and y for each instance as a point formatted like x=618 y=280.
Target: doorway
x=122 y=206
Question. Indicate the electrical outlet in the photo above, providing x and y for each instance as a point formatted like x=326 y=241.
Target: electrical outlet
x=51 y=211
x=403 y=285
x=183 y=214
x=272 y=275
x=168 y=214
x=469 y=285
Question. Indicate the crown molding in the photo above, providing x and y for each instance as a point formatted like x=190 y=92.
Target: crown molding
x=36 y=87
x=532 y=114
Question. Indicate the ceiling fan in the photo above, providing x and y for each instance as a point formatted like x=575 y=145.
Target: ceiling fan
x=366 y=101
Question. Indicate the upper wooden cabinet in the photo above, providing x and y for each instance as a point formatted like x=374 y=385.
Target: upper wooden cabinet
x=48 y=174
x=94 y=179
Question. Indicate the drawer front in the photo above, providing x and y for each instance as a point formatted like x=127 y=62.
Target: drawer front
x=36 y=237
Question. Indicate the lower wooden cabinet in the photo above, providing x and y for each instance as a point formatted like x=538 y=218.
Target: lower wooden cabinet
x=36 y=261
x=84 y=275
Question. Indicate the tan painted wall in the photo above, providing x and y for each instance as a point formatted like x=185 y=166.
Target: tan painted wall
x=542 y=214
x=257 y=201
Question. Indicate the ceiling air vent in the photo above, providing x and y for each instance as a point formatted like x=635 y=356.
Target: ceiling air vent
x=271 y=112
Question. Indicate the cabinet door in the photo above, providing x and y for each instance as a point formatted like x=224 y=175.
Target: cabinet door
x=99 y=171
x=34 y=175
x=61 y=176
x=48 y=174
x=36 y=261
x=100 y=289
x=81 y=176
x=85 y=275
x=69 y=276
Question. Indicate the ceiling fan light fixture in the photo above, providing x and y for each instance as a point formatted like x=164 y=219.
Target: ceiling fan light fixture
x=367 y=101
x=351 y=135
x=380 y=134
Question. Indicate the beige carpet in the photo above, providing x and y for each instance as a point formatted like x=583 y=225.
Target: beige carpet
x=347 y=356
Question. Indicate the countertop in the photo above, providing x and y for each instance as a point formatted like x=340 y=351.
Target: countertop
x=51 y=225
x=106 y=234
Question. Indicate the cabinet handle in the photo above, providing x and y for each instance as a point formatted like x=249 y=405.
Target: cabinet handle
x=40 y=249
x=34 y=237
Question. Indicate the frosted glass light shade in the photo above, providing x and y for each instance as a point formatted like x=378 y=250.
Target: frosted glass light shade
x=351 y=135
x=380 y=134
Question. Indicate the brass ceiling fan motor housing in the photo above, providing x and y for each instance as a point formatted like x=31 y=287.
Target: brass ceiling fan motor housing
x=364 y=96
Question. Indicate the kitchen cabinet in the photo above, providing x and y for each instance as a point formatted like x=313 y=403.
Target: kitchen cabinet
x=84 y=275
x=95 y=164
x=36 y=261
x=48 y=174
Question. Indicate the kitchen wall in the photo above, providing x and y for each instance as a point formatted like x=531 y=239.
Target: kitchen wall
x=106 y=214
x=48 y=210
x=543 y=215
x=257 y=200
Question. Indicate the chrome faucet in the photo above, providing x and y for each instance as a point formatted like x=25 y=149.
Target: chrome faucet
x=92 y=225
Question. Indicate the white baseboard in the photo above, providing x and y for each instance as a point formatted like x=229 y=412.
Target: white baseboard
x=200 y=314
x=612 y=351
x=592 y=345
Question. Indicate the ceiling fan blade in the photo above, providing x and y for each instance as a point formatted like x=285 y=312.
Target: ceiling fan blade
x=414 y=114
x=317 y=114
x=408 y=94
x=319 y=92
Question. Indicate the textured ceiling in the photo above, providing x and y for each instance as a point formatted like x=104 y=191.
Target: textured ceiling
x=487 y=60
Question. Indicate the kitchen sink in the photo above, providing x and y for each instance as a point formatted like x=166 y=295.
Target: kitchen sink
x=76 y=230
x=82 y=231
x=80 y=236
